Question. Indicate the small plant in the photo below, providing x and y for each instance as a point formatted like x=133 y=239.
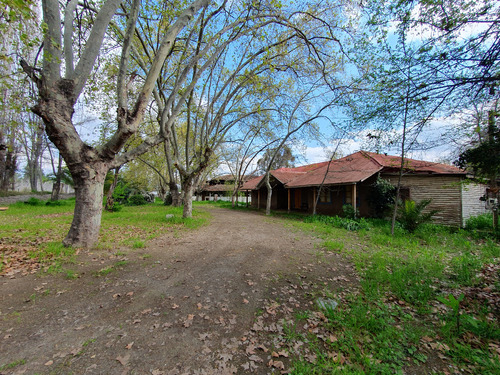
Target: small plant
x=481 y=222
x=138 y=244
x=349 y=212
x=454 y=304
x=411 y=214
x=137 y=200
x=71 y=275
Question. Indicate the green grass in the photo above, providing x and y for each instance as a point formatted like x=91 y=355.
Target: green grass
x=379 y=329
x=113 y=268
x=13 y=364
x=36 y=230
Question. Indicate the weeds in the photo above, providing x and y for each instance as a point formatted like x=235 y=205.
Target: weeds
x=11 y=365
x=391 y=323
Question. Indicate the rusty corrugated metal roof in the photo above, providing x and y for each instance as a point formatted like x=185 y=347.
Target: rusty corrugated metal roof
x=252 y=183
x=283 y=175
x=361 y=165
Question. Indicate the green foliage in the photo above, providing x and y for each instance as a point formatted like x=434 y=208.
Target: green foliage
x=34 y=202
x=66 y=177
x=379 y=329
x=480 y=222
x=13 y=364
x=338 y=222
x=454 y=304
x=349 y=212
x=284 y=159
x=411 y=215
x=381 y=196
x=122 y=192
x=465 y=268
x=484 y=159
x=137 y=200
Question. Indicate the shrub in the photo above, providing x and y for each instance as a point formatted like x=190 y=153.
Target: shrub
x=55 y=203
x=168 y=199
x=382 y=194
x=349 y=212
x=481 y=222
x=116 y=207
x=34 y=202
x=411 y=214
x=137 y=200
x=338 y=222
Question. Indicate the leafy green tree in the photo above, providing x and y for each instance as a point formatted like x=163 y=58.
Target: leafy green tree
x=283 y=158
x=484 y=160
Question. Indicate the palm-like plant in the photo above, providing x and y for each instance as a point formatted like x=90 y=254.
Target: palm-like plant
x=411 y=215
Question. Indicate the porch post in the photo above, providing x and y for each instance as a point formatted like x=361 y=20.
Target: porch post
x=288 y=200
x=258 y=198
x=354 y=196
x=246 y=196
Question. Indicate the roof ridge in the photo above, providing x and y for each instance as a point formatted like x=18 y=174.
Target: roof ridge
x=367 y=154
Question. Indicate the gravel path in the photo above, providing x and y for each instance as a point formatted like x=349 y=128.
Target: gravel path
x=191 y=302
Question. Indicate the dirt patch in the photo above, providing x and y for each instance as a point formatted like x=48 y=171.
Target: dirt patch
x=197 y=303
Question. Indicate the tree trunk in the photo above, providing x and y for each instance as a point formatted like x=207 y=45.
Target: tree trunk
x=269 y=195
x=109 y=197
x=187 y=191
x=89 y=192
x=56 y=187
x=493 y=178
x=175 y=194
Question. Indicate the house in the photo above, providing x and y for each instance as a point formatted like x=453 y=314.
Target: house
x=348 y=181
x=221 y=186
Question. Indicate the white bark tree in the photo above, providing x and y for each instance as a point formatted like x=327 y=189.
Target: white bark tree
x=61 y=81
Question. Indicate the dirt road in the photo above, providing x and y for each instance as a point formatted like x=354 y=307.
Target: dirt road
x=207 y=301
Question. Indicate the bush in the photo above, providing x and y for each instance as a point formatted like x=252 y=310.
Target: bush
x=121 y=193
x=55 y=203
x=34 y=202
x=382 y=194
x=338 y=222
x=168 y=199
x=411 y=215
x=481 y=222
x=116 y=207
x=349 y=212
x=137 y=200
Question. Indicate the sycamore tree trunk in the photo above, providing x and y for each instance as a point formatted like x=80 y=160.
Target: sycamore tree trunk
x=187 y=192
x=56 y=186
x=175 y=194
x=110 y=201
x=269 y=195
x=89 y=192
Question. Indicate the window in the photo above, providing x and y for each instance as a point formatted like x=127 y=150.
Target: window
x=348 y=195
x=404 y=194
x=325 y=196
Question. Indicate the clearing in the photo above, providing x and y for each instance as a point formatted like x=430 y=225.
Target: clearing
x=212 y=300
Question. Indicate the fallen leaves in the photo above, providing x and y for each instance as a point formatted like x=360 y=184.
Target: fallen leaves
x=188 y=321
x=123 y=360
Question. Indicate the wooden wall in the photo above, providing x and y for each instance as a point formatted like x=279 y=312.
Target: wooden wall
x=445 y=192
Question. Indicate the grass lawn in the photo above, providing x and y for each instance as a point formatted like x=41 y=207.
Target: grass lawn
x=31 y=233
x=424 y=298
